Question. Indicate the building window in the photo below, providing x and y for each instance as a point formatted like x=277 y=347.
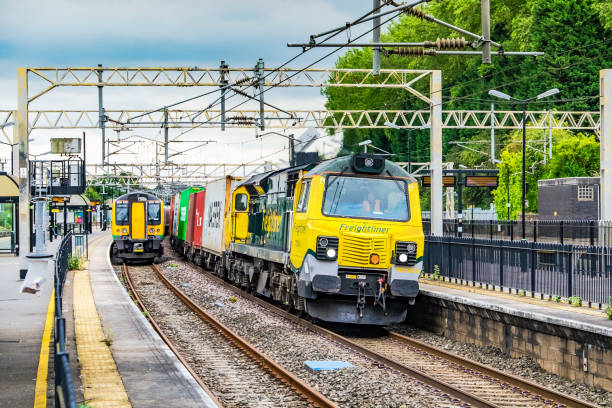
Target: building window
x=585 y=193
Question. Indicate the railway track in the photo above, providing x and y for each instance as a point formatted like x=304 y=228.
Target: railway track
x=466 y=381
x=244 y=375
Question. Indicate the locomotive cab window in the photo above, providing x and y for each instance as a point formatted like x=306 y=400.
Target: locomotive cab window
x=304 y=194
x=369 y=198
x=121 y=213
x=154 y=212
x=241 y=202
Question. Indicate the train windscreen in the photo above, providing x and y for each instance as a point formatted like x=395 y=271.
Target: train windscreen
x=368 y=198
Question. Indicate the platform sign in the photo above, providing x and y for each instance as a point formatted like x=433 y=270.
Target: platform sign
x=61 y=199
x=55 y=210
x=481 y=181
x=65 y=145
x=447 y=181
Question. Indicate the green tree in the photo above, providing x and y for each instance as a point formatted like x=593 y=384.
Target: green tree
x=92 y=194
x=574 y=34
x=576 y=156
x=573 y=156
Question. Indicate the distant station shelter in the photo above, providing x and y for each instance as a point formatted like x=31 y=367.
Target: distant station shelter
x=9 y=225
x=70 y=213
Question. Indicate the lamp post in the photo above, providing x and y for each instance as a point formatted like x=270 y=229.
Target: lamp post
x=394 y=126
x=523 y=103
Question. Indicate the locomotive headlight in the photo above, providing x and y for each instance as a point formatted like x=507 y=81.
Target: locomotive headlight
x=124 y=231
x=327 y=248
x=158 y=230
x=405 y=252
x=151 y=230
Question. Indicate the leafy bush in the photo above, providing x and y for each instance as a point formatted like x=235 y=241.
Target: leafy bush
x=609 y=309
x=436 y=273
x=75 y=263
x=574 y=300
x=556 y=298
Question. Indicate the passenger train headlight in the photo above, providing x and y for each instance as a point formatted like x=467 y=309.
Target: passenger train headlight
x=124 y=231
x=151 y=230
x=402 y=258
x=327 y=248
x=158 y=230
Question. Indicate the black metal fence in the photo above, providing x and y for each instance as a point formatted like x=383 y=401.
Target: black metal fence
x=64 y=389
x=578 y=232
x=537 y=268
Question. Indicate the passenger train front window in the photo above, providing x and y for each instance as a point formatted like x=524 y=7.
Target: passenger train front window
x=121 y=214
x=154 y=213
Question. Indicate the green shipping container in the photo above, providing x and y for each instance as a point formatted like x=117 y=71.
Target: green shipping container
x=183 y=211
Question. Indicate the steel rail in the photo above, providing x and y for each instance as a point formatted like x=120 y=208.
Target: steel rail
x=475 y=401
x=303 y=389
x=166 y=340
x=530 y=386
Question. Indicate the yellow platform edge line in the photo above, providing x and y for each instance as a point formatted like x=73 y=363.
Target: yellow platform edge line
x=40 y=393
x=102 y=385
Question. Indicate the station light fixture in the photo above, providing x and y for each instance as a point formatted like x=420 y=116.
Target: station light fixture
x=499 y=94
x=548 y=93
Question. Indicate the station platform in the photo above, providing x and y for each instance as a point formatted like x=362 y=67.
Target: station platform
x=135 y=370
x=23 y=319
x=578 y=318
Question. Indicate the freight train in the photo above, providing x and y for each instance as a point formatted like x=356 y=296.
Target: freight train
x=137 y=227
x=339 y=240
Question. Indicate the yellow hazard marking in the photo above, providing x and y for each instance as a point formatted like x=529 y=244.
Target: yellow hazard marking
x=351 y=276
x=102 y=386
x=40 y=393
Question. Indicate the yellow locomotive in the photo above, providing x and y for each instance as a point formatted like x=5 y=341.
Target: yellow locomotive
x=137 y=227
x=341 y=240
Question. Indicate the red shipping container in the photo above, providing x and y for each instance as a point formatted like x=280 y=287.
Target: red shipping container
x=170 y=217
x=198 y=218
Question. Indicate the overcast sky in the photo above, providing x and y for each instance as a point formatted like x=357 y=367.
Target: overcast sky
x=163 y=33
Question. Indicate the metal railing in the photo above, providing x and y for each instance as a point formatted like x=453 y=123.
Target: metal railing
x=536 y=268
x=577 y=232
x=64 y=388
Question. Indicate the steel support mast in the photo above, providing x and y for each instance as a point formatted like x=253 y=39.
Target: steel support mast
x=21 y=168
x=435 y=146
x=605 y=182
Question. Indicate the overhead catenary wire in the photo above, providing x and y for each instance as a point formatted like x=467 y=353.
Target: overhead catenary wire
x=283 y=65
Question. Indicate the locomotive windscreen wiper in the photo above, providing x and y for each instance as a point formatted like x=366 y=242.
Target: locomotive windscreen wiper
x=337 y=177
